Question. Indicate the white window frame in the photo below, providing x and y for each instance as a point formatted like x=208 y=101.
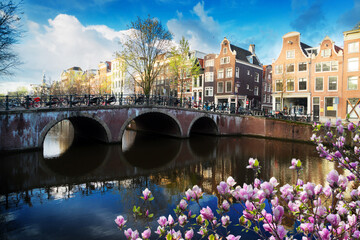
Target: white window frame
x=299 y=67
x=217 y=89
x=299 y=84
x=293 y=83
x=356 y=78
x=279 y=69
x=226 y=86
x=229 y=73
x=220 y=74
x=326 y=52
x=353 y=47
x=355 y=64
x=209 y=91
x=322 y=84
x=276 y=83
x=287 y=65
x=256 y=91
x=225 y=50
x=209 y=63
x=290 y=54
x=225 y=60
x=209 y=77
x=257 y=77
x=237 y=72
x=334 y=90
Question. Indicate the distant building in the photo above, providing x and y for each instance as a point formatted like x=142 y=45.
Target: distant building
x=266 y=102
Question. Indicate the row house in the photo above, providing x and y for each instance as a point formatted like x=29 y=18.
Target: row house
x=233 y=77
x=266 y=102
x=120 y=84
x=321 y=81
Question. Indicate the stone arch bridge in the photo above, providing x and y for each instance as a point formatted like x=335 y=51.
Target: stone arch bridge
x=26 y=129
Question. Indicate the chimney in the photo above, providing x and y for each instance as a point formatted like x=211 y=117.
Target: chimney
x=252 y=48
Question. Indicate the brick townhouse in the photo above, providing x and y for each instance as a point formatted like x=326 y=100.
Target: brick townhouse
x=238 y=77
x=320 y=81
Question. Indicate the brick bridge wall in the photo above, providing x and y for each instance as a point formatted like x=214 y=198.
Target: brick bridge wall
x=26 y=129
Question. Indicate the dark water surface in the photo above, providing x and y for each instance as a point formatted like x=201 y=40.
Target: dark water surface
x=76 y=192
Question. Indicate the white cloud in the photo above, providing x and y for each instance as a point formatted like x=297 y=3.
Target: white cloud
x=203 y=33
x=63 y=43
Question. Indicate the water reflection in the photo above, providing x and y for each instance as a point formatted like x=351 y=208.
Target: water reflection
x=84 y=189
x=58 y=139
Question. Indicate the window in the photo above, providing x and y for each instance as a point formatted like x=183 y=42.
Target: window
x=225 y=60
x=247 y=86
x=221 y=73
x=302 y=67
x=225 y=50
x=264 y=98
x=332 y=83
x=228 y=86
x=290 y=54
x=353 y=47
x=237 y=72
x=209 y=91
x=209 y=77
x=290 y=86
x=330 y=109
x=256 y=91
x=248 y=72
x=268 y=98
x=200 y=81
x=229 y=72
x=352 y=83
x=220 y=87
x=209 y=63
x=326 y=66
x=278 y=69
x=353 y=64
x=326 y=52
x=302 y=84
x=256 y=77
x=290 y=67
x=278 y=86
x=319 y=84
x=265 y=86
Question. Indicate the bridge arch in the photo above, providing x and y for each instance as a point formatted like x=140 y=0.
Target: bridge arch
x=204 y=125
x=81 y=122
x=155 y=121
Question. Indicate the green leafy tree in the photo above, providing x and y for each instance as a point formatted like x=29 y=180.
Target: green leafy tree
x=144 y=49
x=9 y=34
x=182 y=66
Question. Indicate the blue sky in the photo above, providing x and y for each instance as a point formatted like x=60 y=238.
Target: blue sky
x=65 y=33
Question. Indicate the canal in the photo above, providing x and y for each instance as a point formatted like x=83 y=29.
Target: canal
x=74 y=189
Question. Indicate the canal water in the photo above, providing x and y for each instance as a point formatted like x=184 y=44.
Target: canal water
x=75 y=189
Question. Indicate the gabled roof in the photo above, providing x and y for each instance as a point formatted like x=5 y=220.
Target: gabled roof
x=304 y=47
x=201 y=62
x=337 y=49
x=242 y=54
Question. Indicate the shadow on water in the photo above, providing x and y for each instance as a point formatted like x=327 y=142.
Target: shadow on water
x=149 y=152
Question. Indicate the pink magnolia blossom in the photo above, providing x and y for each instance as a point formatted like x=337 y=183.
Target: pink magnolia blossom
x=182 y=220
x=183 y=204
x=170 y=220
x=146 y=234
x=334 y=219
x=232 y=237
x=162 y=221
x=197 y=192
x=281 y=231
x=230 y=181
x=120 y=221
x=324 y=234
x=223 y=188
x=296 y=164
x=225 y=205
x=206 y=213
x=278 y=213
x=188 y=194
x=253 y=163
x=225 y=220
x=189 y=234
x=333 y=178
x=146 y=194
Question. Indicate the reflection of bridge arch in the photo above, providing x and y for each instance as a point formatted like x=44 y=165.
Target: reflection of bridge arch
x=159 y=122
x=81 y=122
x=203 y=124
x=66 y=165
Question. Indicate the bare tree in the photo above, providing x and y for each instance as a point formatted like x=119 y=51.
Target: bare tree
x=144 y=49
x=9 y=34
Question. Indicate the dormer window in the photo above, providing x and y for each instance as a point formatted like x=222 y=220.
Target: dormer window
x=290 y=54
x=250 y=59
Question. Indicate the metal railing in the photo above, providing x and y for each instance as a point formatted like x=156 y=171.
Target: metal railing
x=68 y=101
